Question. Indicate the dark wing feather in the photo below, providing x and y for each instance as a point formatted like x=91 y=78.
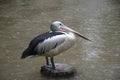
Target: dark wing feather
x=41 y=38
x=31 y=50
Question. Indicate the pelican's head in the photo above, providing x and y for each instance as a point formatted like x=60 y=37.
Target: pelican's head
x=59 y=26
x=56 y=26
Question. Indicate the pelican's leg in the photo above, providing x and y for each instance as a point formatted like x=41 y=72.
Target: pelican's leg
x=47 y=61
x=52 y=62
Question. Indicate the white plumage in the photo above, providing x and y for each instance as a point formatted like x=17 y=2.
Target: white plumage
x=66 y=41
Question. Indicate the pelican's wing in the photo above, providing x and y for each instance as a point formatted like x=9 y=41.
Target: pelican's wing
x=49 y=44
x=46 y=42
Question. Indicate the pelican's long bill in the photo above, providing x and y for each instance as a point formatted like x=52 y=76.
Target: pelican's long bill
x=75 y=32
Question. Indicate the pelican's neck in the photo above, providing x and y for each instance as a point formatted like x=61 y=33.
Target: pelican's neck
x=71 y=35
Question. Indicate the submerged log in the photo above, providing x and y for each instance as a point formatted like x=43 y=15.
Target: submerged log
x=62 y=70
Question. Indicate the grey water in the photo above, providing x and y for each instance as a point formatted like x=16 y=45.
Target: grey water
x=99 y=20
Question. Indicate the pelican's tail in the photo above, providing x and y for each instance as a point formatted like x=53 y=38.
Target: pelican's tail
x=26 y=53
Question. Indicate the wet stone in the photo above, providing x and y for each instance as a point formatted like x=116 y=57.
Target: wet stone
x=62 y=70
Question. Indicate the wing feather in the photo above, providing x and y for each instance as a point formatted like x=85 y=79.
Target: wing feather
x=39 y=40
x=50 y=44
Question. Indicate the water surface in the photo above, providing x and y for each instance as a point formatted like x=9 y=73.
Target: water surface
x=99 y=20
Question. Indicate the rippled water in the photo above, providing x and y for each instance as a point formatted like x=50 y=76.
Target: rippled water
x=21 y=20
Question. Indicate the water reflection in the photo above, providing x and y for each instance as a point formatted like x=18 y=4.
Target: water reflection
x=21 y=20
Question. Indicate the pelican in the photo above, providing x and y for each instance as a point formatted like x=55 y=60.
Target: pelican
x=52 y=43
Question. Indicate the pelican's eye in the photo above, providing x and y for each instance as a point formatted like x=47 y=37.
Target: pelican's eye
x=60 y=24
